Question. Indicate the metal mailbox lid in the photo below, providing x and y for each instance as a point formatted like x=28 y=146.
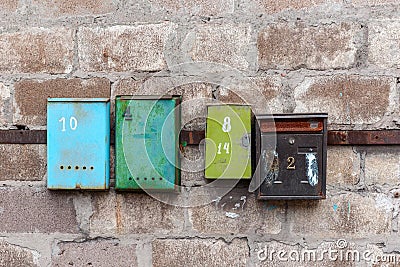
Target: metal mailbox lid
x=147 y=143
x=78 y=143
x=228 y=145
x=303 y=122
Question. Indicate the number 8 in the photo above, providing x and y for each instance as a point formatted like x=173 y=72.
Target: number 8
x=226 y=127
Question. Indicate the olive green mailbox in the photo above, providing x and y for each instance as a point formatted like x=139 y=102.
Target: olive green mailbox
x=228 y=142
x=147 y=143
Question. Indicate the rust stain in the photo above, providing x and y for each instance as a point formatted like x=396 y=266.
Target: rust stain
x=364 y=137
x=292 y=126
x=191 y=138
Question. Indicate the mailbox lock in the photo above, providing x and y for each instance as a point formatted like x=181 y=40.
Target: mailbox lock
x=246 y=140
x=291 y=140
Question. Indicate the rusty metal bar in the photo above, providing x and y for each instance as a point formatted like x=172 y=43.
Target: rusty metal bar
x=352 y=137
x=23 y=137
x=380 y=137
x=192 y=137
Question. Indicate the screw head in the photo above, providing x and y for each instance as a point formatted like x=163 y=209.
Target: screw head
x=291 y=140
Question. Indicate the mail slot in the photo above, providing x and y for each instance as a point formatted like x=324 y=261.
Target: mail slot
x=296 y=167
x=228 y=142
x=78 y=143
x=147 y=143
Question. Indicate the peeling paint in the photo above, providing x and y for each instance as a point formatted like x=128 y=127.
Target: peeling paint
x=217 y=200
x=231 y=215
x=384 y=203
x=243 y=198
x=348 y=210
x=5 y=92
x=271 y=207
x=312 y=169
x=273 y=171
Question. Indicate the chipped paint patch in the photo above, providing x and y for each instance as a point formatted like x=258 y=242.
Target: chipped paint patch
x=243 y=198
x=382 y=202
x=312 y=169
x=217 y=200
x=231 y=215
x=348 y=210
x=5 y=92
x=271 y=207
x=335 y=207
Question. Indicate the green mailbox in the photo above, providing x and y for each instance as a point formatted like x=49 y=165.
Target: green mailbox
x=228 y=142
x=147 y=143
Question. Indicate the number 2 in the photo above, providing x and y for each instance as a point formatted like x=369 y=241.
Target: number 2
x=291 y=165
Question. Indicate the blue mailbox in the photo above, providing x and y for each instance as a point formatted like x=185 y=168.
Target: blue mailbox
x=78 y=143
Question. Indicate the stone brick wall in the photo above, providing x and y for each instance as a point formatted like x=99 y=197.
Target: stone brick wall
x=335 y=56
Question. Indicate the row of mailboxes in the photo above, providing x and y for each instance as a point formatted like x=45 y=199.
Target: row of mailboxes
x=285 y=154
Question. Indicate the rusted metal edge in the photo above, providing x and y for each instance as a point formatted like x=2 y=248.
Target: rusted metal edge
x=352 y=137
x=379 y=137
x=23 y=136
x=191 y=137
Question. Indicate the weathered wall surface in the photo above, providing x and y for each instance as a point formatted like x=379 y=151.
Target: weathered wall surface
x=335 y=56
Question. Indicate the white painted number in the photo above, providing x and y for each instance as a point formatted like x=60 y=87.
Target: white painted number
x=63 y=124
x=226 y=147
x=73 y=123
x=226 y=127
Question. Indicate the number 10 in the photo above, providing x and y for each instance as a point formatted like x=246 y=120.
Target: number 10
x=73 y=123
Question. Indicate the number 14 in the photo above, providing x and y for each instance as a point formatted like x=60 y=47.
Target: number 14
x=226 y=147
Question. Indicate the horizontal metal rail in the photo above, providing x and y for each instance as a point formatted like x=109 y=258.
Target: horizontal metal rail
x=352 y=137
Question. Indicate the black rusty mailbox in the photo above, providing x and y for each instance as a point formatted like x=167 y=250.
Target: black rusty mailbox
x=296 y=167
